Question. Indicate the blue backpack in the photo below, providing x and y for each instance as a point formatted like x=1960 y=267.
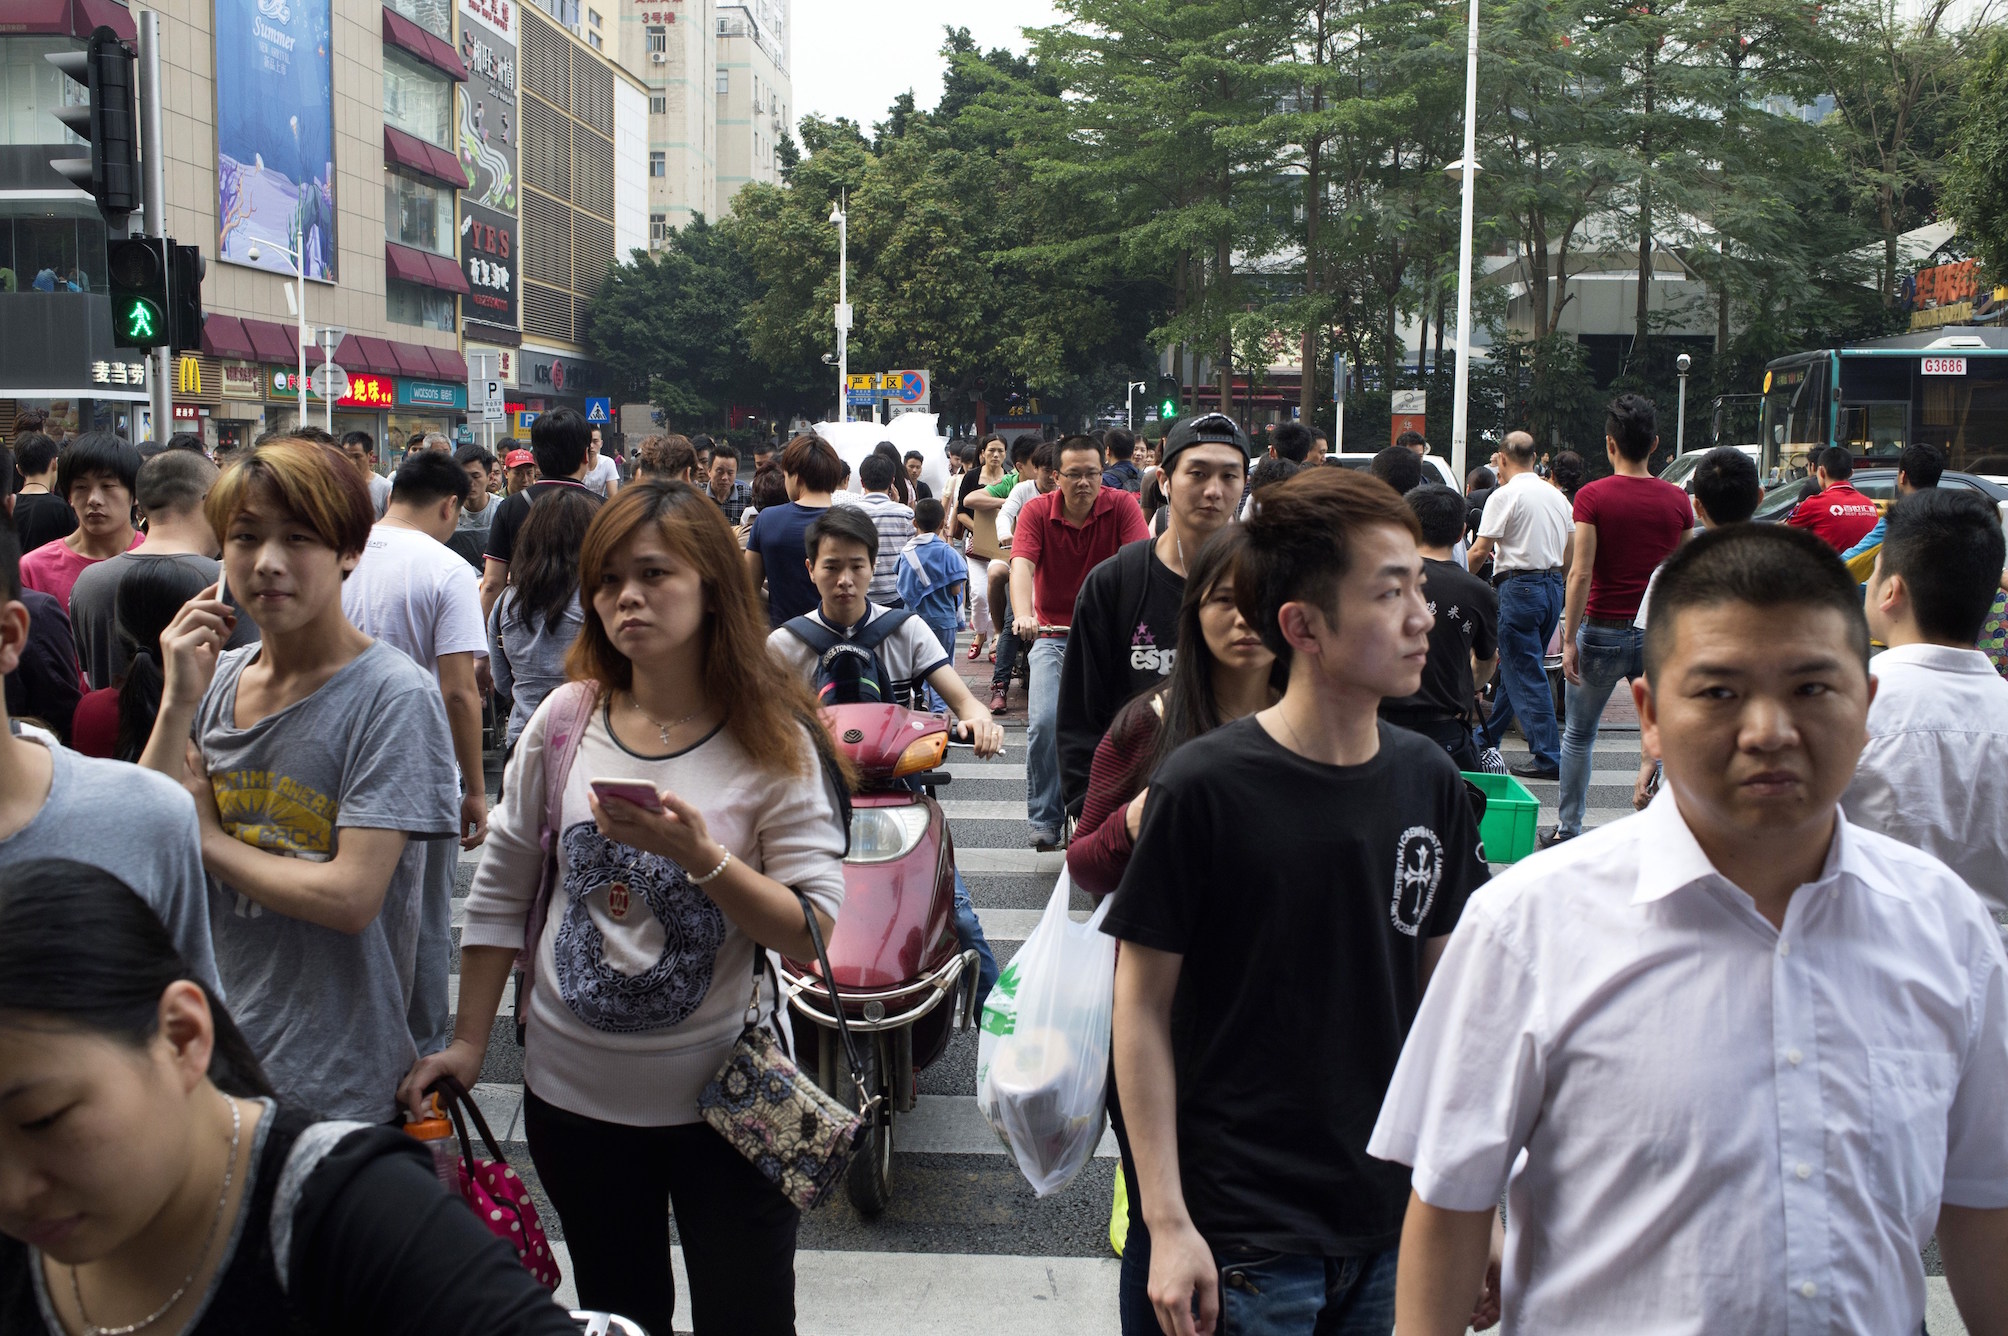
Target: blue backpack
x=849 y=670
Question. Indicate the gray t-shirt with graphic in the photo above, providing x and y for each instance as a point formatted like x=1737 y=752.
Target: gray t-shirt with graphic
x=325 y=1010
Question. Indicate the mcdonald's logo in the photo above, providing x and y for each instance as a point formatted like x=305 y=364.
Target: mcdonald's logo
x=188 y=376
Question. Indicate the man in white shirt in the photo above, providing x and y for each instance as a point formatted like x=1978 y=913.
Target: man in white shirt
x=1525 y=532
x=360 y=447
x=1041 y=475
x=603 y=474
x=413 y=592
x=1732 y=1059
x=1933 y=773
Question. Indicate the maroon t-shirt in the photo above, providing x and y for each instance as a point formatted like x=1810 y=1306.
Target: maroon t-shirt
x=1640 y=521
x=1839 y=515
x=1062 y=555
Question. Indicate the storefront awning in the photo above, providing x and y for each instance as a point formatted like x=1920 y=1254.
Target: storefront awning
x=278 y=344
x=413 y=360
x=411 y=265
x=451 y=365
x=359 y=352
x=427 y=160
x=68 y=18
x=407 y=36
x=225 y=336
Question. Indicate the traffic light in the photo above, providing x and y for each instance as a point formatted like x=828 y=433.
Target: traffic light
x=137 y=267
x=106 y=119
x=1167 y=398
x=184 y=291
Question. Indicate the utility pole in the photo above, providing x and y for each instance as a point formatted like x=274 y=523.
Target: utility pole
x=841 y=217
x=153 y=159
x=1460 y=405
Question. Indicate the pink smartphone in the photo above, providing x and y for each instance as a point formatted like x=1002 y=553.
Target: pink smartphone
x=637 y=791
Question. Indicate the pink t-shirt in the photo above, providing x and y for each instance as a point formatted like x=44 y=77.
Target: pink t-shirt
x=53 y=568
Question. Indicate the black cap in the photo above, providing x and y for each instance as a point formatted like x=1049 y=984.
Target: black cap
x=1204 y=429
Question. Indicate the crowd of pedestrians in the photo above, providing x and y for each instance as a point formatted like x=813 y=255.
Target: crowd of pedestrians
x=1729 y=1064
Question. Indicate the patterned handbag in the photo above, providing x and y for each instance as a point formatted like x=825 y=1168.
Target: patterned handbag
x=492 y=1188
x=792 y=1130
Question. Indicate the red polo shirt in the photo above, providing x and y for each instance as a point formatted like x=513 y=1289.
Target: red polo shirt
x=1062 y=555
x=1839 y=516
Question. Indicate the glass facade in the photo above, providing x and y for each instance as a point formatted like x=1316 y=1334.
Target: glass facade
x=418 y=213
x=410 y=304
x=31 y=89
x=51 y=246
x=417 y=99
x=435 y=16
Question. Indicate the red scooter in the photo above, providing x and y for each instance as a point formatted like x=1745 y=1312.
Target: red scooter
x=903 y=978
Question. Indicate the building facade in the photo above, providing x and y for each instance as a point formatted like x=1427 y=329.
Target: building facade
x=446 y=173
x=755 y=95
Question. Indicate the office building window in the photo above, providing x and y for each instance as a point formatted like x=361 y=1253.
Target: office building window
x=593 y=17
x=418 y=213
x=658 y=228
x=658 y=40
x=417 y=99
x=658 y=163
x=724 y=81
x=594 y=39
x=658 y=104
x=409 y=304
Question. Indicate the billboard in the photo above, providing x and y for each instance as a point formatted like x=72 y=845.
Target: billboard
x=488 y=138
x=275 y=135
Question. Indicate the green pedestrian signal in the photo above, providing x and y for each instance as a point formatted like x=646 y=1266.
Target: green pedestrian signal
x=140 y=324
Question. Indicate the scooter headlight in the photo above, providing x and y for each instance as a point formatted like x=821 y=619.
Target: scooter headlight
x=881 y=834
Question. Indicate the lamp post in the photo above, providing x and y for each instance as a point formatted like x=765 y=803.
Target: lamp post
x=299 y=312
x=1682 y=363
x=1460 y=395
x=1129 y=403
x=843 y=222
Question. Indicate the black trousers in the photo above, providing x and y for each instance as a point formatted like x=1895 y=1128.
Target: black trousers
x=1453 y=735
x=614 y=1187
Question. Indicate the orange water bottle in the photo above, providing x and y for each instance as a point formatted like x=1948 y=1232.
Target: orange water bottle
x=435 y=1132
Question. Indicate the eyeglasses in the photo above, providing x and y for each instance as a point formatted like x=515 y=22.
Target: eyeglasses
x=1082 y=475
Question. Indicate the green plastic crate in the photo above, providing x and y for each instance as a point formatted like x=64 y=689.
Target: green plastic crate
x=1512 y=817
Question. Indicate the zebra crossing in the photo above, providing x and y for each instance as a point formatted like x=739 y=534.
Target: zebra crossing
x=965 y=1247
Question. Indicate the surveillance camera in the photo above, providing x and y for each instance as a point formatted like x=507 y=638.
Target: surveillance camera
x=829 y=359
x=1683 y=362
x=252 y=255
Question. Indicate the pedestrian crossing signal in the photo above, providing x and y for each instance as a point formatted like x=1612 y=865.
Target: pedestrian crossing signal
x=137 y=267
x=140 y=324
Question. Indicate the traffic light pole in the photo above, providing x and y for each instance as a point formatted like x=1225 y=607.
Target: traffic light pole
x=153 y=195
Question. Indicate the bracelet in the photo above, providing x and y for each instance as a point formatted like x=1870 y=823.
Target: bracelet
x=713 y=875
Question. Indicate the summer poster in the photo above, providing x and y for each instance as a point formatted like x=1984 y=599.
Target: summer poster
x=275 y=134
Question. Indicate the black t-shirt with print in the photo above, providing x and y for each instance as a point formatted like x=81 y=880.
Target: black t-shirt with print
x=1300 y=896
x=1467 y=623
x=511 y=511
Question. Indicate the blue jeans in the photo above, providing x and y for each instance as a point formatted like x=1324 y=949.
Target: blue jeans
x=969 y=932
x=1529 y=608
x=1009 y=648
x=1045 y=806
x=1279 y=1294
x=1604 y=654
x=945 y=633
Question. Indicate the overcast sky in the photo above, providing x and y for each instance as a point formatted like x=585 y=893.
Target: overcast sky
x=854 y=59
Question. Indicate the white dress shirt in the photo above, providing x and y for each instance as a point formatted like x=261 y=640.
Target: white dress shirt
x=1007 y=515
x=1529 y=521
x=1725 y=1127
x=1935 y=772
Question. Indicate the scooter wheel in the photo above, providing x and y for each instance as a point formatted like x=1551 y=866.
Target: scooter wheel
x=868 y=1180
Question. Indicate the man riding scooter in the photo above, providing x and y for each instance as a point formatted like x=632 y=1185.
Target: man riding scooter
x=842 y=549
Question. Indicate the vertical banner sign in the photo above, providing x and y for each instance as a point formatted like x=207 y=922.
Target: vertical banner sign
x=275 y=135
x=488 y=138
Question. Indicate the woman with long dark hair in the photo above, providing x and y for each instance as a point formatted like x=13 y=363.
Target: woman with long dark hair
x=645 y=956
x=116 y=721
x=1223 y=672
x=538 y=616
x=153 y=1182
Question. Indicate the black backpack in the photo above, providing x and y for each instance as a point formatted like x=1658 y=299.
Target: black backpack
x=849 y=670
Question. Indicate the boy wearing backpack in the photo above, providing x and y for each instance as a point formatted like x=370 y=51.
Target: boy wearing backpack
x=932 y=576
x=851 y=650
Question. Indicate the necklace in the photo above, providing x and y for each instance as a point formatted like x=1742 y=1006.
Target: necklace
x=229 y=1171
x=662 y=729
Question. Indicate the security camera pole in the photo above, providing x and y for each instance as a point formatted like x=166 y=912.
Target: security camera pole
x=1683 y=362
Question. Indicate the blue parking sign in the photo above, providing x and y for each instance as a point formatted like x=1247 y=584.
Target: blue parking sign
x=599 y=412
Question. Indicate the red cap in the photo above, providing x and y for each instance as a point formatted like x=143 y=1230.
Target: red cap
x=517 y=458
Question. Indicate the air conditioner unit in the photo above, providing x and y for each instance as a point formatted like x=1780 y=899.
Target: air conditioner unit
x=658 y=57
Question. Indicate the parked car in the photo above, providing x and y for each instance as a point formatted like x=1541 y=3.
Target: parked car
x=1878 y=484
x=1680 y=471
x=1431 y=465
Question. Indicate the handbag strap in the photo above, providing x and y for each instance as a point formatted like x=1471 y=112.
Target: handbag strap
x=865 y=1098
x=457 y=1100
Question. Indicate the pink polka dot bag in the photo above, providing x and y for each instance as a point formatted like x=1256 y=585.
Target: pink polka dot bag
x=494 y=1190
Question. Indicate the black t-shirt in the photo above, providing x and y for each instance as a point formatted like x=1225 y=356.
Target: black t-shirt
x=1300 y=896
x=511 y=511
x=1125 y=641
x=1467 y=623
x=42 y=517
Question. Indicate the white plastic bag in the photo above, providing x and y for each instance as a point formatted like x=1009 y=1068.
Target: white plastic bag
x=1042 y=1058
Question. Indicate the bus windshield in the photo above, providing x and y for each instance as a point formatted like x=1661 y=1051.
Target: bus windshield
x=1795 y=419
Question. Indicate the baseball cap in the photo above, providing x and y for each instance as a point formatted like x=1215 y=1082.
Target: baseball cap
x=518 y=458
x=1205 y=429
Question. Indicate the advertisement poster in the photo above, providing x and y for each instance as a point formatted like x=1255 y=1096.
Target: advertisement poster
x=488 y=142
x=275 y=135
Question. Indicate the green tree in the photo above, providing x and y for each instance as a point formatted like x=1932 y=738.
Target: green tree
x=1976 y=178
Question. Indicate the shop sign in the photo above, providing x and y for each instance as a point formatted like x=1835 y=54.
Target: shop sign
x=118 y=373
x=189 y=412
x=240 y=380
x=504 y=363
x=430 y=394
x=366 y=389
x=562 y=375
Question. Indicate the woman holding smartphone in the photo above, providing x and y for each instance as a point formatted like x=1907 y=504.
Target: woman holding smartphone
x=646 y=958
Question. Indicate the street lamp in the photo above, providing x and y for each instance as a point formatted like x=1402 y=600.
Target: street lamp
x=843 y=223
x=1460 y=408
x=1681 y=363
x=299 y=312
x=1130 y=401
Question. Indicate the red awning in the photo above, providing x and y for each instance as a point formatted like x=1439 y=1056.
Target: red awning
x=402 y=33
x=412 y=360
x=446 y=274
x=427 y=160
x=225 y=336
x=279 y=344
x=67 y=18
x=369 y=355
x=86 y=16
x=452 y=366
x=411 y=265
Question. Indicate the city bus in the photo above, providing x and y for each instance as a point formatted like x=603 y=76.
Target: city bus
x=1948 y=388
